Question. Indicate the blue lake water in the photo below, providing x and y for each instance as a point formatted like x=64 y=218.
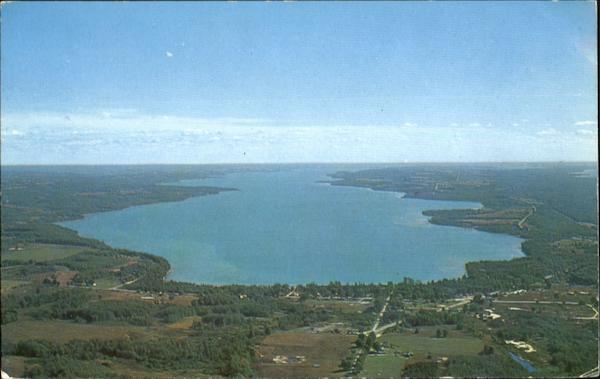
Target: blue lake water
x=285 y=227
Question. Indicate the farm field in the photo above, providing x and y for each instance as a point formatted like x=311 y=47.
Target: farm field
x=42 y=252
x=387 y=366
x=106 y=283
x=184 y=324
x=340 y=306
x=138 y=371
x=425 y=343
x=64 y=331
x=322 y=352
x=9 y=285
x=14 y=364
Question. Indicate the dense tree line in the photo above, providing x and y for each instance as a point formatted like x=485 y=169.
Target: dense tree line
x=229 y=355
x=492 y=365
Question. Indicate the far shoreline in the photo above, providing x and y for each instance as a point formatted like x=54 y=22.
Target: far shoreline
x=331 y=183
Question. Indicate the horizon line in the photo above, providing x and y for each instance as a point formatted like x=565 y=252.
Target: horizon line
x=288 y=163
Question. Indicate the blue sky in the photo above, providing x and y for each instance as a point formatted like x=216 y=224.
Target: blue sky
x=298 y=82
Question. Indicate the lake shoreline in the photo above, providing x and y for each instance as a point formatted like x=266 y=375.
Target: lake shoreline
x=521 y=252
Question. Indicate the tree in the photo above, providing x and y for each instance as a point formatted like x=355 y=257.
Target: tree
x=346 y=364
x=360 y=341
x=478 y=298
x=370 y=341
x=237 y=366
x=377 y=346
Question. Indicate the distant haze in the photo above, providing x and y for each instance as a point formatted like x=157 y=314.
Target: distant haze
x=170 y=82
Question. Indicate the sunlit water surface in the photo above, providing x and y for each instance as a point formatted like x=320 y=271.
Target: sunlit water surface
x=285 y=227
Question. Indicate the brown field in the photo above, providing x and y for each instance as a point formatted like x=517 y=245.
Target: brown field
x=118 y=295
x=505 y=214
x=64 y=277
x=337 y=305
x=13 y=365
x=323 y=350
x=63 y=331
x=557 y=293
x=489 y=221
x=8 y=285
x=183 y=300
x=40 y=252
x=184 y=324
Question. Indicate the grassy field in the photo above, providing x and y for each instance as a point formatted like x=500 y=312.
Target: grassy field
x=337 y=305
x=14 y=365
x=182 y=300
x=387 y=366
x=422 y=345
x=43 y=252
x=184 y=324
x=106 y=283
x=133 y=370
x=64 y=331
x=8 y=285
x=323 y=353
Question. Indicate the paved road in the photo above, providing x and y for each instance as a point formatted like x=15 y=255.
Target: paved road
x=379 y=331
x=531 y=211
x=594 y=317
x=466 y=300
x=535 y=302
x=118 y=287
x=380 y=315
x=375 y=327
x=593 y=373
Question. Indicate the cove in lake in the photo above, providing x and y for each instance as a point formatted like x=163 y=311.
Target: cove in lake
x=285 y=227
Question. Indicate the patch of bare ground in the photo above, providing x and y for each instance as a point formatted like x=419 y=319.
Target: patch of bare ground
x=308 y=355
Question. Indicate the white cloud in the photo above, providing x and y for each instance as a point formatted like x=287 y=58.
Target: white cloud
x=587 y=132
x=133 y=137
x=169 y=54
x=548 y=132
x=118 y=120
x=410 y=124
x=586 y=123
x=13 y=132
x=474 y=124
